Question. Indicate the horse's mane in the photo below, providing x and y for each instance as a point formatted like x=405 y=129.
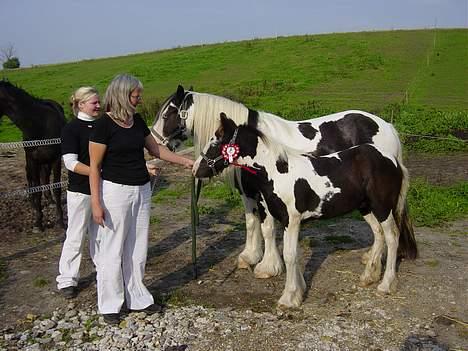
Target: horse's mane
x=206 y=116
x=277 y=148
x=18 y=92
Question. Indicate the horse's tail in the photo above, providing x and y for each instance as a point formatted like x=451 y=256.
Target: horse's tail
x=407 y=247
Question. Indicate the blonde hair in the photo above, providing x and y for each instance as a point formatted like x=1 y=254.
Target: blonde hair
x=117 y=98
x=81 y=94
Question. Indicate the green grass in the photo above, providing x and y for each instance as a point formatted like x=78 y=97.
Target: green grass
x=440 y=128
x=415 y=77
x=432 y=263
x=364 y=70
x=171 y=194
x=8 y=131
x=432 y=205
x=218 y=190
x=40 y=282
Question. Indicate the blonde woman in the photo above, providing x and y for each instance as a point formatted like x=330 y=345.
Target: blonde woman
x=75 y=140
x=120 y=198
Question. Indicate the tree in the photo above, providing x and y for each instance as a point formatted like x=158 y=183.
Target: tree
x=7 y=54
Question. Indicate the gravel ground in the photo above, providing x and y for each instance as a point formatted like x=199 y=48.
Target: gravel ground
x=199 y=328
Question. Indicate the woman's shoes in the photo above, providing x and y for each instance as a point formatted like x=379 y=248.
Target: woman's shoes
x=70 y=292
x=114 y=318
x=151 y=309
x=111 y=318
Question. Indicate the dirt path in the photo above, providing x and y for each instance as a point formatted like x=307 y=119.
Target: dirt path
x=432 y=293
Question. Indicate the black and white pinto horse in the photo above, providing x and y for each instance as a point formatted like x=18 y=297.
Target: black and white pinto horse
x=198 y=113
x=296 y=186
x=37 y=119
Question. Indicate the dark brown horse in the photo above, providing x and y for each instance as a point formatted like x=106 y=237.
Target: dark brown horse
x=37 y=119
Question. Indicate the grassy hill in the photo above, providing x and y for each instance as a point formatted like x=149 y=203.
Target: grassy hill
x=296 y=77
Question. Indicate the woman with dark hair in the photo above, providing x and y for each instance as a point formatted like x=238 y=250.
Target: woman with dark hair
x=120 y=198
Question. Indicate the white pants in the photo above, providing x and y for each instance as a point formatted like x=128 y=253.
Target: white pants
x=123 y=246
x=80 y=222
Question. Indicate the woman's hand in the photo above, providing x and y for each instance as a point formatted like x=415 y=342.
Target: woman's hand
x=188 y=163
x=98 y=214
x=153 y=169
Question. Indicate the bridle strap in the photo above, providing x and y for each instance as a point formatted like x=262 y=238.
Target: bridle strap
x=161 y=139
x=212 y=162
x=182 y=112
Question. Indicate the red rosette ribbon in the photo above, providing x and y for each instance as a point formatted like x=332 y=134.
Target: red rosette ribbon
x=230 y=152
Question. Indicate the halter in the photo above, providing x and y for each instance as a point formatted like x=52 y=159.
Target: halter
x=181 y=111
x=183 y=115
x=229 y=153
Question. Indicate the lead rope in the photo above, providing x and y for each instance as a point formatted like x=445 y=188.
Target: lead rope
x=195 y=219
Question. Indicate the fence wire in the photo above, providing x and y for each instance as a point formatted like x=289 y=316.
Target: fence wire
x=29 y=143
x=35 y=189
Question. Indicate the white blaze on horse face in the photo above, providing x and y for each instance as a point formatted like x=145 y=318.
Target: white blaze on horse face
x=157 y=131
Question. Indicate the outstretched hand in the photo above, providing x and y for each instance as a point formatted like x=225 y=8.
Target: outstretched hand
x=188 y=163
x=153 y=169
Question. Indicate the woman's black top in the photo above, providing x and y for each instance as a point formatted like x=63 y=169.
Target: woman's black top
x=75 y=140
x=124 y=160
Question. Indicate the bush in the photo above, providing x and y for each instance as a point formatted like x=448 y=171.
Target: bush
x=432 y=205
x=11 y=63
x=428 y=129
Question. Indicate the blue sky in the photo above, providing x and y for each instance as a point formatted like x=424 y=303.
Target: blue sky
x=53 y=31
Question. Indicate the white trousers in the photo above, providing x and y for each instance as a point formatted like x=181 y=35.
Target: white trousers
x=80 y=222
x=123 y=246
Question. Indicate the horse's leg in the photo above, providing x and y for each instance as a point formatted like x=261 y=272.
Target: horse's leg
x=57 y=169
x=389 y=282
x=271 y=264
x=45 y=179
x=295 y=284
x=252 y=252
x=373 y=268
x=33 y=176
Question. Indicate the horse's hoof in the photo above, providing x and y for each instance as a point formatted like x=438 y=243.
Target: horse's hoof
x=385 y=289
x=262 y=273
x=363 y=283
x=242 y=264
x=367 y=279
x=287 y=302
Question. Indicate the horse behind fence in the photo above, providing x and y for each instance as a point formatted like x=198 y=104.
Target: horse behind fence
x=38 y=119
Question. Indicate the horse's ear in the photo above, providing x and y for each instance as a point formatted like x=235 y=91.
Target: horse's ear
x=227 y=125
x=190 y=88
x=180 y=93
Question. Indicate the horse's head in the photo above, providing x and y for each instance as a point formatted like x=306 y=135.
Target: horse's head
x=228 y=143
x=170 y=128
